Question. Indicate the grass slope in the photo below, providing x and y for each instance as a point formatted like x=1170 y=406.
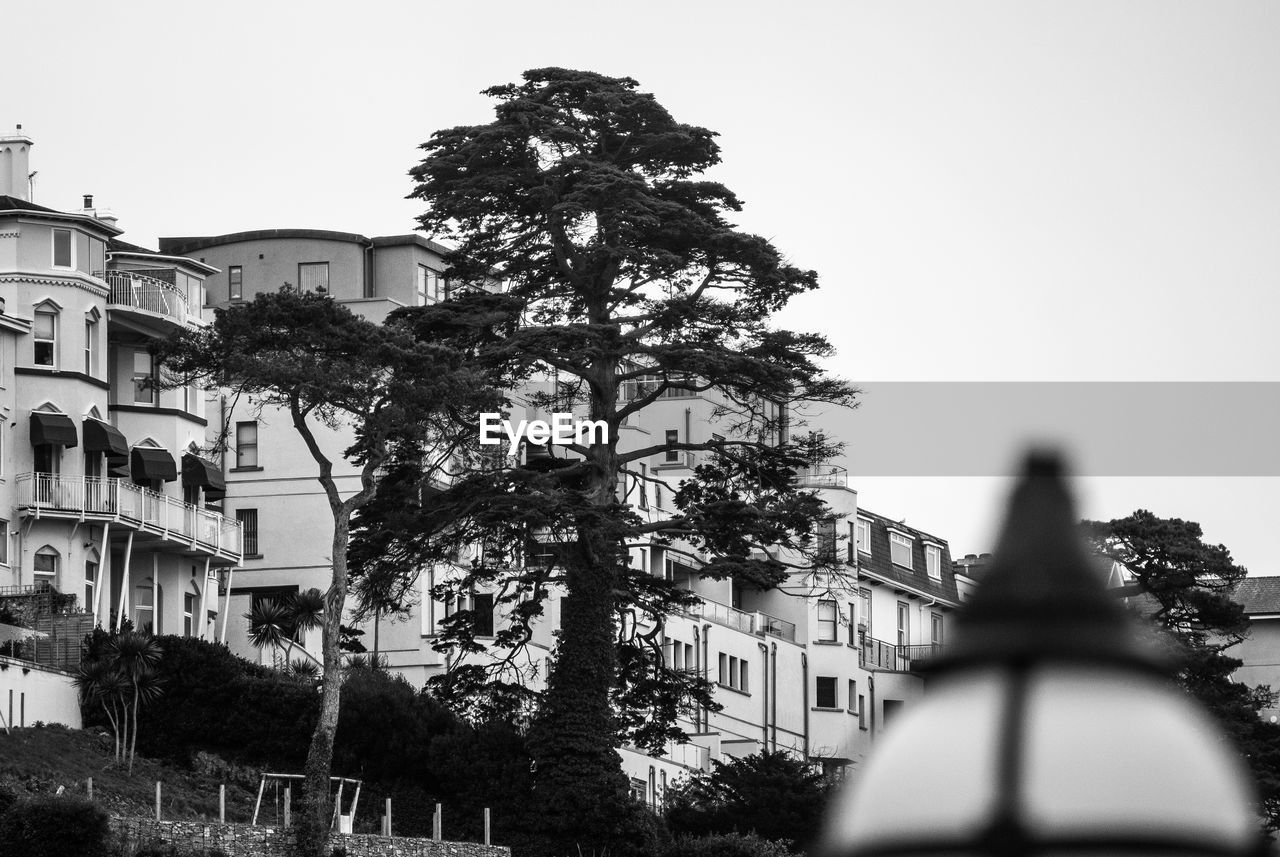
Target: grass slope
x=38 y=761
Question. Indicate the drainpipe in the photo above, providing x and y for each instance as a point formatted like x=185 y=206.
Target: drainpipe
x=222 y=427
x=697 y=669
x=764 y=699
x=871 y=686
x=804 y=670
x=773 y=694
x=706 y=672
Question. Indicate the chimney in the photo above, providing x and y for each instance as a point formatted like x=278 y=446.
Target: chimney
x=88 y=202
x=15 y=165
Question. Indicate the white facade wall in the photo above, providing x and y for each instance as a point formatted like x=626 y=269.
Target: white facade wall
x=31 y=694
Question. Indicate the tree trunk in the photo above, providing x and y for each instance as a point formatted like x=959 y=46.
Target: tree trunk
x=133 y=737
x=314 y=821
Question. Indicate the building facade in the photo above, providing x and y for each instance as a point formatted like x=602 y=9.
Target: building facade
x=108 y=504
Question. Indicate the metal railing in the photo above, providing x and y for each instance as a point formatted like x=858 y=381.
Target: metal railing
x=146 y=293
x=121 y=500
x=824 y=476
x=878 y=654
x=757 y=623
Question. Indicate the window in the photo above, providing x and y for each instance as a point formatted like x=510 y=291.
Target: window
x=144 y=381
x=4 y=542
x=47 y=459
x=862 y=712
x=90 y=343
x=900 y=550
x=45 y=567
x=827 y=617
x=644 y=486
x=904 y=624
x=247 y=444
x=90 y=580
x=862 y=535
x=431 y=286
x=853 y=695
x=145 y=611
x=933 y=561
x=313 y=276
x=827 y=541
x=935 y=629
x=673 y=436
x=828 y=695
x=235 y=282
x=482 y=606
x=63 y=249
x=733 y=672
x=864 y=609
x=188 y=614
x=248 y=519
x=45 y=332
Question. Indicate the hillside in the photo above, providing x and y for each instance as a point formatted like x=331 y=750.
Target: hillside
x=39 y=760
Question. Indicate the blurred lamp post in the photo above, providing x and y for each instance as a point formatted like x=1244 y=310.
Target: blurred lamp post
x=1050 y=727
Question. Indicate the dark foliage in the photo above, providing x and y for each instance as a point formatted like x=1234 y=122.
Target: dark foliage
x=727 y=845
x=771 y=795
x=55 y=827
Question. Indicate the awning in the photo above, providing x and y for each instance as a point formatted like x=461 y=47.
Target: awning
x=104 y=437
x=150 y=462
x=197 y=471
x=48 y=429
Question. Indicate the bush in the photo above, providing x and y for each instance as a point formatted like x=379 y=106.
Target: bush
x=55 y=827
x=728 y=845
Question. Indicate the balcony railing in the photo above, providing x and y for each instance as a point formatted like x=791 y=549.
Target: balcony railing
x=760 y=624
x=146 y=293
x=877 y=654
x=120 y=500
x=824 y=476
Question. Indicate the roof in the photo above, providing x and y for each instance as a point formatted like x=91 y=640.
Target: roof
x=190 y=244
x=23 y=206
x=1258 y=594
x=116 y=247
x=880 y=563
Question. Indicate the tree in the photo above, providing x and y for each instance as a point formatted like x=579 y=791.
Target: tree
x=327 y=370
x=275 y=624
x=123 y=673
x=772 y=795
x=1185 y=587
x=626 y=283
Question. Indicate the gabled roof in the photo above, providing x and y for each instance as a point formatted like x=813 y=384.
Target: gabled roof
x=13 y=203
x=116 y=247
x=1258 y=594
x=23 y=206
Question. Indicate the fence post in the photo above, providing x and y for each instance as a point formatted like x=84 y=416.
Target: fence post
x=438 y=832
x=222 y=804
x=486 y=826
x=90 y=784
x=157 y=800
x=387 y=818
x=288 y=805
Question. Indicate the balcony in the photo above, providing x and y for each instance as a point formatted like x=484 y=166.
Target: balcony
x=824 y=476
x=154 y=297
x=877 y=654
x=759 y=624
x=187 y=527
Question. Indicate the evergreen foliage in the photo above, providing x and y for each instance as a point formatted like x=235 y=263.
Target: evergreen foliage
x=62 y=826
x=625 y=283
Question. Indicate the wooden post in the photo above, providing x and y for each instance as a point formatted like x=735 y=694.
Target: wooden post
x=388 y=816
x=288 y=804
x=222 y=804
x=437 y=832
x=90 y=785
x=486 y=826
x=157 y=800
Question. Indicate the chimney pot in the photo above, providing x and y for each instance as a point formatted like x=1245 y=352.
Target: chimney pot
x=88 y=200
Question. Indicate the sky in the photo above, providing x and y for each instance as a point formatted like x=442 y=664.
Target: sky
x=990 y=191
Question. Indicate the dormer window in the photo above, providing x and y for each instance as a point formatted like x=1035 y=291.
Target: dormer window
x=63 y=249
x=900 y=549
x=862 y=535
x=933 y=561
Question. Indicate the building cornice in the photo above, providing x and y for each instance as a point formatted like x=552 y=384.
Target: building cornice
x=85 y=283
x=62 y=375
x=867 y=574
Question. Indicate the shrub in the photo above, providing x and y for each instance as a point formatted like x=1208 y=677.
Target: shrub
x=728 y=845
x=55 y=827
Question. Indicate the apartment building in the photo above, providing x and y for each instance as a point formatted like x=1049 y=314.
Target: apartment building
x=108 y=502
x=817 y=668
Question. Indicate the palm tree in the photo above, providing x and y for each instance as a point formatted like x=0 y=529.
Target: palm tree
x=276 y=623
x=135 y=655
x=99 y=681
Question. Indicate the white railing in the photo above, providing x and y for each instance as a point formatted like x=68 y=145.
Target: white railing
x=824 y=476
x=146 y=293
x=125 y=501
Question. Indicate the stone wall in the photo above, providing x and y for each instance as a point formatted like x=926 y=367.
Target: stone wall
x=241 y=840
